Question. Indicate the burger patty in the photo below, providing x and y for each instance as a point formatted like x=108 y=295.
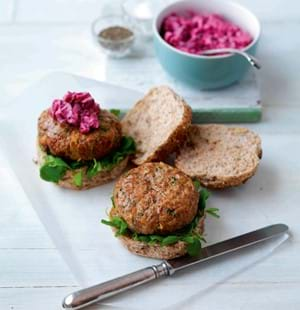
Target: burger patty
x=65 y=140
x=155 y=198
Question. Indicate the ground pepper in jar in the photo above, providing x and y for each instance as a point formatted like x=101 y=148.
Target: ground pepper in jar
x=115 y=33
x=116 y=39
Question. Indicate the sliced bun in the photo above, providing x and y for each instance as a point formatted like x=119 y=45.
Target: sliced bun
x=220 y=156
x=101 y=178
x=157 y=251
x=158 y=123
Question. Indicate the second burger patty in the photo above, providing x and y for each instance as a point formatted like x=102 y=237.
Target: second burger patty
x=155 y=198
x=66 y=141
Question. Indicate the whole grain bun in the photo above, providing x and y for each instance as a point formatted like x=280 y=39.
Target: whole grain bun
x=220 y=156
x=177 y=249
x=158 y=123
x=99 y=179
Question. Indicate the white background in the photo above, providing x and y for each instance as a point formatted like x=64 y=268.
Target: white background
x=37 y=37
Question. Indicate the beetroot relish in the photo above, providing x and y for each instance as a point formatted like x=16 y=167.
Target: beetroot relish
x=195 y=32
x=77 y=109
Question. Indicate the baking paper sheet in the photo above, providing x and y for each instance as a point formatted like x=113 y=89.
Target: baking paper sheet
x=72 y=218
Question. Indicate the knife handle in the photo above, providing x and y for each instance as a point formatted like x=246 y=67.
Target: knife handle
x=93 y=294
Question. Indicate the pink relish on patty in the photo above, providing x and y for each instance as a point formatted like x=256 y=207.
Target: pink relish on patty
x=77 y=109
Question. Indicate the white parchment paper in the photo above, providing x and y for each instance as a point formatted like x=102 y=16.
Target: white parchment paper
x=73 y=218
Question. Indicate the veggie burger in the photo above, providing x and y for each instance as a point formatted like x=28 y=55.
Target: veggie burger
x=80 y=145
x=158 y=211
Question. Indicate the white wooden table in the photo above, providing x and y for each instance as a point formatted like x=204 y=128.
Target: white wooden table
x=37 y=37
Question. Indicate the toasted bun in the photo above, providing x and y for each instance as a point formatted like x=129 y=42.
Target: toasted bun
x=157 y=251
x=158 y=123
x=220 y=156
x=99 y=179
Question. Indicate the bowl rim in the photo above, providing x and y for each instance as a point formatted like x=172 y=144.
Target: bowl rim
x=232 y=3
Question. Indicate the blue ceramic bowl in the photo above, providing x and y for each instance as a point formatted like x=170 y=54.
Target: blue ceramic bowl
x=206 y=72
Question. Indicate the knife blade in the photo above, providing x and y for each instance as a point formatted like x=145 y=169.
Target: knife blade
x=96 y=293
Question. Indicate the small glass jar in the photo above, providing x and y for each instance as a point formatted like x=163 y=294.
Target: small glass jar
x=114 y=35
x=140 y=14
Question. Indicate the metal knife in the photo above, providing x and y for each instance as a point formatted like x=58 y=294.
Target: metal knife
x=93 y=294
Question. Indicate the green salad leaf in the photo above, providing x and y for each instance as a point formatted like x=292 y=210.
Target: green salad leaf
x=77 y=179
x=118 y=223
x=194 y=247
x=156 y=238
x=54 y=168
x=93 y=169
x=116 y=112
x=204 y=195
x=197 y=185
x=143 y=238
x=213 y=212
x=127 y=147
x=112 y=201
x=76 y=164
x=170 y=240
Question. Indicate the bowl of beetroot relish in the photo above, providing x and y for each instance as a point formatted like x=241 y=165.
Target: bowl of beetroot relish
x=185 y=29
